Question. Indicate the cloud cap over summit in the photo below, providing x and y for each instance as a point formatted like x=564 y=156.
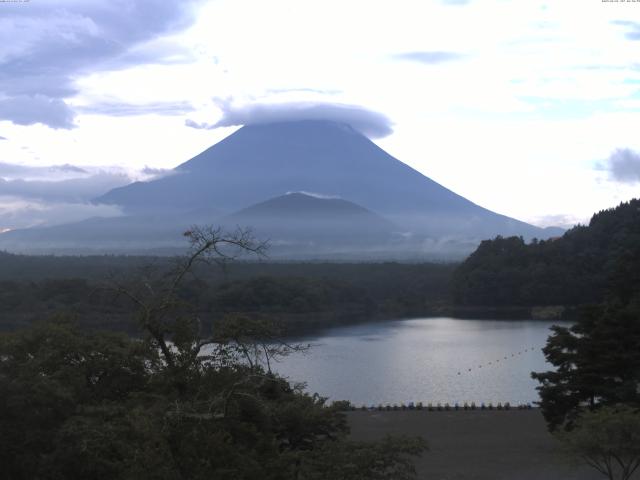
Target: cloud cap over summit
x=368 y=122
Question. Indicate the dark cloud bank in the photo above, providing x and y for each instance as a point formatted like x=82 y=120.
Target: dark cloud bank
x=623 y=165
x=370 y=123
x=56 y=194
x=30 y=109
x=45 y=46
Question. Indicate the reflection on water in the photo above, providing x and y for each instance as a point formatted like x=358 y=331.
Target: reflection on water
x=428 y=360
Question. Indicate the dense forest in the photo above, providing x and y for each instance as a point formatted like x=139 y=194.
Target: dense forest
x=179 y=400
x=593 y=391
x=504 y=277
x=303 y=296
x=576 y=269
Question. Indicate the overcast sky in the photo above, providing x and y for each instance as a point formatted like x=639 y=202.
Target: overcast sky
x=529 y=108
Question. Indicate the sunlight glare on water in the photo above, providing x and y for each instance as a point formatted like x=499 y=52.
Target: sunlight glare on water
x=429 y=360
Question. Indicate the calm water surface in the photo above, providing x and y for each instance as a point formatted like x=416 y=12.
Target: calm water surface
x=427 y=359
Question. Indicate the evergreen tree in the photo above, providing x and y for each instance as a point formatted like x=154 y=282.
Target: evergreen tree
x=597 y=362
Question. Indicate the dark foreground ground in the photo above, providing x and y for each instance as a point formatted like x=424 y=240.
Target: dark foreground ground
x=477 y=445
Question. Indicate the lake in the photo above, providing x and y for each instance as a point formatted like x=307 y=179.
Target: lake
x=426 y=359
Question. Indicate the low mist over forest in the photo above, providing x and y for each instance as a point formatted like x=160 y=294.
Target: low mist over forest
x=504 y=277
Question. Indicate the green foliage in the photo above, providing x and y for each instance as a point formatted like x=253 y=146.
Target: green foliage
x=50 y=372
x=302 y=296
x=608 y=440
x=597 y=359
x=578 y=268
x=85 y=405
x=390 y=458
x=173 y=403
x=289 y=294
x=597 y=362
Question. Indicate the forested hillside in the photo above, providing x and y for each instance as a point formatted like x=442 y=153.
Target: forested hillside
x=580 y=267
x=304 y=296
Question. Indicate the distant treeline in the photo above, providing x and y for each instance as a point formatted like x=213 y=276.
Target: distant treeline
x=579 y=268
x=304 y=296
x=503 y=278
x=96 y=267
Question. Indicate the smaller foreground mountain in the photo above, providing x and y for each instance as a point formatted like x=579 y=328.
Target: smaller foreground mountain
x=299 y=223
x=294 y=206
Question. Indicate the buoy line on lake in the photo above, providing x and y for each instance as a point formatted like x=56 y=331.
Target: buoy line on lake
x=504 y=360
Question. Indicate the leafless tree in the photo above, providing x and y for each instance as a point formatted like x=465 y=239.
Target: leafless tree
x=162 y=314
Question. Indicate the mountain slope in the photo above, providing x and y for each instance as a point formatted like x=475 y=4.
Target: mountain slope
x=230 y=184
x=328 y=158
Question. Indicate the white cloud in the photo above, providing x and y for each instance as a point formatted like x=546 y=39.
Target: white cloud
x=125 y=109
x=315 y=195
x=56 y=194
x=14 y=171
x=370 y=123
x=70 y=183
x=70 y=190
x=515 y=126
x=152 y=173
x=16 y=212
x=565 y=221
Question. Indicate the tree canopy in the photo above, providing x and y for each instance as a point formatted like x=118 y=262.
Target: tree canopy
x=575 y=269
x=597 y=359
x=177 y=402
x=597 y=362
x=608 y=440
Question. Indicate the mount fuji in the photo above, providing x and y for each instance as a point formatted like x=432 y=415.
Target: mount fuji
x=293 y=181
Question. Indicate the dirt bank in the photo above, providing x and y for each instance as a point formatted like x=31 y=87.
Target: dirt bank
x=477 y=445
